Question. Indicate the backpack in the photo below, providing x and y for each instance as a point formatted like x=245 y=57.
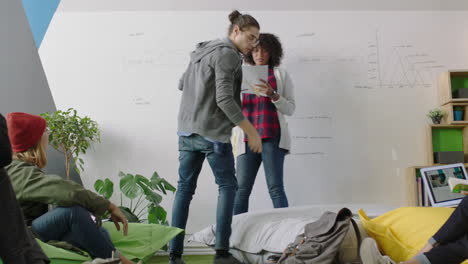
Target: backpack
x=321 y=240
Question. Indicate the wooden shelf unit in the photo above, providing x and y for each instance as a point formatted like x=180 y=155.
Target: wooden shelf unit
x=449 y=82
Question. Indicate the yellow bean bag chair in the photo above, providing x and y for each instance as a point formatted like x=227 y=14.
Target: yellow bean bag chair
x=401 y=233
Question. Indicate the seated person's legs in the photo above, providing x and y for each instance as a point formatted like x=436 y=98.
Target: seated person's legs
x=75 y=226
x=456 y=226
x=451 y=253
x=450 y=243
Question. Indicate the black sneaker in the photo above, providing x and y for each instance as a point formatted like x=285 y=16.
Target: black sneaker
x=173 y=259
x=229 y=259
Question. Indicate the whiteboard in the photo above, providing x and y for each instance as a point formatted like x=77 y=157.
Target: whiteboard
x=364 y=82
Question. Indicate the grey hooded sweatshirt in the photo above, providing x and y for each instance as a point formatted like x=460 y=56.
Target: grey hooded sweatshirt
x=210 y=87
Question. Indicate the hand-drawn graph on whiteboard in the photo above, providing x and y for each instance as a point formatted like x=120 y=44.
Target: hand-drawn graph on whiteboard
x=403 y=66
x=368 y=63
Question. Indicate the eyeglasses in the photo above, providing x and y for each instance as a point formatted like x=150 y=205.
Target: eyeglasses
x=252 y=38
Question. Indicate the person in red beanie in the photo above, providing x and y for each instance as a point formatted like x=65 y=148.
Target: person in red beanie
x=71 y=220
x=17 y=244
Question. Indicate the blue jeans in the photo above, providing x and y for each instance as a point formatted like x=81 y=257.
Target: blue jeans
x=247 y=168
x=192 y=152
x=74 y=225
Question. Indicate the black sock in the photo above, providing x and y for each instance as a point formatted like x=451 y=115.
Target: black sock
x=222 y=253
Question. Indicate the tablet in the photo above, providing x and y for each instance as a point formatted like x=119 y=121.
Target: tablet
x=435 y=180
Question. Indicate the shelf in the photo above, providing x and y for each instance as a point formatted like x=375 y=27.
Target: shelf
x=448 y=125
x=449 y=109
x=458 y=100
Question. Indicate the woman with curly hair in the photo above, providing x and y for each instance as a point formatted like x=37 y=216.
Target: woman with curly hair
x=266 y=113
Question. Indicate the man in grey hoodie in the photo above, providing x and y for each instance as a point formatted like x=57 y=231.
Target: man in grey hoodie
x=210 y=108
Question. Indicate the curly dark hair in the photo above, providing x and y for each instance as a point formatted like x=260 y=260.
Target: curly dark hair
x=272 y=45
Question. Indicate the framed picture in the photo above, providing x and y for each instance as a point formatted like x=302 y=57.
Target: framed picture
x=436 y=183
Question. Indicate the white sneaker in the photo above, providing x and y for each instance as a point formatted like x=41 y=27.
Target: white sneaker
x=370 y=253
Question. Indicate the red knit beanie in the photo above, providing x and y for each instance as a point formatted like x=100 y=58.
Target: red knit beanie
x=24 y=130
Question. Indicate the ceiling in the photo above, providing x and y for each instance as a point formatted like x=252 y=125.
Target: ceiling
x=263 y=5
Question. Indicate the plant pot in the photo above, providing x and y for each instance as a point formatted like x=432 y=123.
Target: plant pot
x=458 y=115
x=436 y=119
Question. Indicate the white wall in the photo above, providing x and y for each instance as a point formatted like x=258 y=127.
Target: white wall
x=364 y=81
x=23 y=84
x=20 y=66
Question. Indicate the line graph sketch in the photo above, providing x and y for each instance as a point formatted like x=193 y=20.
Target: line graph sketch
x=403 y=66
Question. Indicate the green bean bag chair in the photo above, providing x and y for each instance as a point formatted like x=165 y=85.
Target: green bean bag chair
x=142 y=241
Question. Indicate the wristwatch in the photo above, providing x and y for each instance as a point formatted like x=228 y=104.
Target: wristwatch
x=273 y=94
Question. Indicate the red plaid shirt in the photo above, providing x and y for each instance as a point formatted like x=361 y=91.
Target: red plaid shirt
x=261 y=112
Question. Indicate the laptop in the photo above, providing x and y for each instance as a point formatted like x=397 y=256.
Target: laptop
x=435 y=180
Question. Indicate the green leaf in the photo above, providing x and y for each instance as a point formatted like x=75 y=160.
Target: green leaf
x=129 y=186
x=168 y=186
x=153 y=197
x=156 y=184
x=104 y=188
x=98 y=185
x=155 y=175
x=161 y=184
x=122 y=174
x=156 y=215
x=142 y=179
x=152 y=218
x=161 y=214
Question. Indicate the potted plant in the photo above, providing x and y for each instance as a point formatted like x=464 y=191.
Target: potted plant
x=142 y=192
x=458 y=112
x=71 y=135
x=436 y=115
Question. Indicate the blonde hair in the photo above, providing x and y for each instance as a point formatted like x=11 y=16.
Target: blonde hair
x=35 y=155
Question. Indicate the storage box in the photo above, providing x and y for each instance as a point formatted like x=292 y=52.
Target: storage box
x=448 y=157
x=461 y=93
